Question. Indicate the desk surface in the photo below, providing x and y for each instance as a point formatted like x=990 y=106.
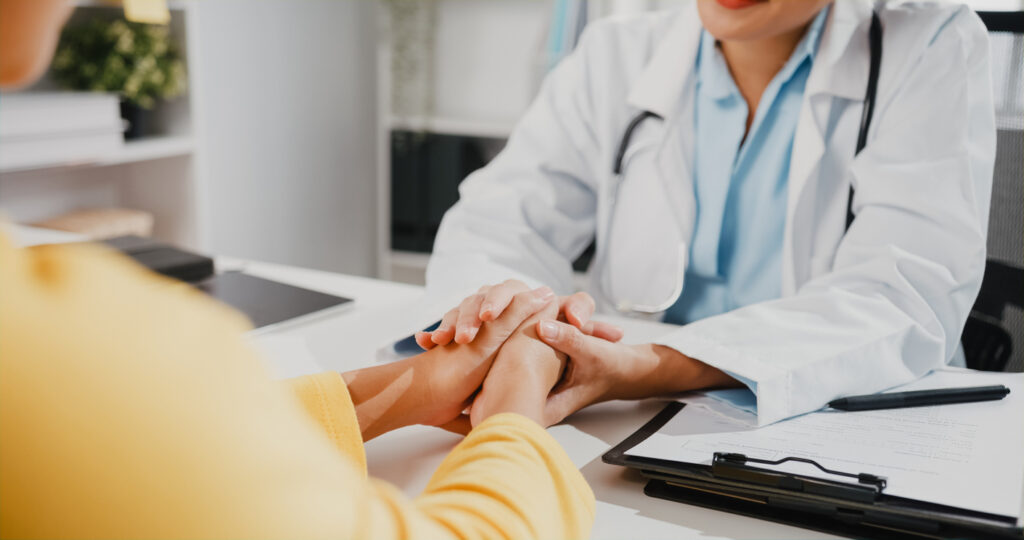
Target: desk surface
x=407 y=457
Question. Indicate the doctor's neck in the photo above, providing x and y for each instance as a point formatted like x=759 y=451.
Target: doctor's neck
x=756 y=38
x=753 y=63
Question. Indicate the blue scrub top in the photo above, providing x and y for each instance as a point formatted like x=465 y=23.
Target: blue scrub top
x=741 y=184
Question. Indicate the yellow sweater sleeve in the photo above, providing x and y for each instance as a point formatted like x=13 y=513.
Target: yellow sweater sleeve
x=326 y=400
x=130 y=407
x=489 y=473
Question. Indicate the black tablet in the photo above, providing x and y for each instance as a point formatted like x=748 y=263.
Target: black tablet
x=268 y=303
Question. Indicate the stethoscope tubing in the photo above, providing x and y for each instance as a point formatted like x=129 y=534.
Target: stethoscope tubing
x=875 y=44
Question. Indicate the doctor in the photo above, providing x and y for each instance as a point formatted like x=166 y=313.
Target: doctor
x=713 y=154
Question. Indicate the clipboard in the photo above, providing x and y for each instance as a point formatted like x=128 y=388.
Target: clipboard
x=854 y=504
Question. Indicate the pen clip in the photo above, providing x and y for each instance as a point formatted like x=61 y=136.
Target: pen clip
x=734 y=466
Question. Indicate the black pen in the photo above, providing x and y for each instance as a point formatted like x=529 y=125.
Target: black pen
x=920 y=398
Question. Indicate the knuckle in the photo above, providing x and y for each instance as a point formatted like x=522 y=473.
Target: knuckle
x=584 y=300
x=574 y=338
x=549 y=310
x=516 y=286
x=520 y=301
x=499 y=291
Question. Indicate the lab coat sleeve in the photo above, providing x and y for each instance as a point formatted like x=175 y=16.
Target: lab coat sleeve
x=530 y=212
x=906 y=273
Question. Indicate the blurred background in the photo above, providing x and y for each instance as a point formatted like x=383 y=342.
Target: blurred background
x=329 y=134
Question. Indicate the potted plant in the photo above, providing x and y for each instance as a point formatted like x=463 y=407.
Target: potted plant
x=137 y=61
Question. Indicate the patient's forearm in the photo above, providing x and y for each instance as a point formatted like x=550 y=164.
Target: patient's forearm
x=383 y=397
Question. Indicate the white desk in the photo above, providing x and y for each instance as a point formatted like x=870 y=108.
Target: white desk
x=408 y=457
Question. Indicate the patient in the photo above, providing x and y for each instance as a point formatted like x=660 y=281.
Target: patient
x=131 y=407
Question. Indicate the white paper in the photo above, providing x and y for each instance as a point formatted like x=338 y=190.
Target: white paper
x=965 y=455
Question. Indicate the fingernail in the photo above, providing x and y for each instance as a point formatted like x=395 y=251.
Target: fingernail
x=548 y=330
x=544 y=293
x=588 y=328
x=486 y=309
x=471 y=333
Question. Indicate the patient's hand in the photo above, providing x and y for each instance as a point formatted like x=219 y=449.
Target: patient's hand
x=522 y=375
x=436 y=386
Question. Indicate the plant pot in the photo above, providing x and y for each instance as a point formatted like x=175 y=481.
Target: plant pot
x=139 y=120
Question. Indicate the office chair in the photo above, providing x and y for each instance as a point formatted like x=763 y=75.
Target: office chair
x=993 y=338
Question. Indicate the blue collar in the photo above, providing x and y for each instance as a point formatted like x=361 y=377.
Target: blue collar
x=713 y=73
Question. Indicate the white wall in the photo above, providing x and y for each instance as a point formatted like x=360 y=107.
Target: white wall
x=286 y=106
x=488 y=58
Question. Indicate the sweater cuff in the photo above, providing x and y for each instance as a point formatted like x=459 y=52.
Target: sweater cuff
x=326 y=400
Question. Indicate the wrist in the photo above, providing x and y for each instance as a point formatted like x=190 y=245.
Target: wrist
x=382 y=397
x=526 y=400
x=658 y=370
x=519 y=382
x=440 y=379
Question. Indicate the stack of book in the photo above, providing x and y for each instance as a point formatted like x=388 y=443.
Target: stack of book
x=41 y=129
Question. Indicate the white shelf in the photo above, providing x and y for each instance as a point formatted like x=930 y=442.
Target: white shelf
x=150 y=148
x=410 y=259
x=159 y=175
x=496 y=129
x=172 y=4
x=135 y=151
x=407 y=267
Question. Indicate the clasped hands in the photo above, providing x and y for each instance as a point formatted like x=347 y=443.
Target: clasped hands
x=549 y=341
x=511 y=349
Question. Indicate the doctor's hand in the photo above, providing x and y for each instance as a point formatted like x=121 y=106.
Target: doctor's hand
x=598 y=370
x=462 y=323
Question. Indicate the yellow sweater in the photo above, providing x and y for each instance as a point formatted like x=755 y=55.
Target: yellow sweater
x=130 y=407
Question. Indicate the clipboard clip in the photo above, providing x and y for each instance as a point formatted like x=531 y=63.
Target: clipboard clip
x=734 y=466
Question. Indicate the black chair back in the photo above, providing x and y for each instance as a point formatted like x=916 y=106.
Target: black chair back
x=993 y=337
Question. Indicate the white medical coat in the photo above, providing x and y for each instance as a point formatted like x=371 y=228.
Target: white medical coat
x=873 y=308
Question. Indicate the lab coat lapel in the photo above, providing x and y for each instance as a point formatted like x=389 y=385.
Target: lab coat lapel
x=839 y=71
x=670 y=68
x=666 y=87
x=657 y=189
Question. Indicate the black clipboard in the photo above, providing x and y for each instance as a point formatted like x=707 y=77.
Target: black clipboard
x=847 y=508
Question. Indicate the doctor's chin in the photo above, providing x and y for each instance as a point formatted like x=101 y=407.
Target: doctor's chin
x=556 y=269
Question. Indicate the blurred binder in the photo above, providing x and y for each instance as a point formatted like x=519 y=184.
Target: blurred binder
x=163 y=258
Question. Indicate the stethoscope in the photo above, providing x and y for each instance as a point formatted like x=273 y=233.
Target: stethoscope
x=644 y=309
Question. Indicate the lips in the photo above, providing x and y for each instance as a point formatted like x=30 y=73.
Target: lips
x=739 y=4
